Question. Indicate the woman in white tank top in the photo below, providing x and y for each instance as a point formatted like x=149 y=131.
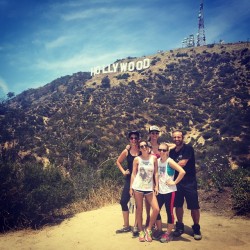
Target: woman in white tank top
x=145 y=172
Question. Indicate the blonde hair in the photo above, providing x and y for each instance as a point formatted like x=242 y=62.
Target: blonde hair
x=165 y=144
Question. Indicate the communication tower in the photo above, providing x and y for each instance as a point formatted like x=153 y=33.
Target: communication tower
x=188 y=42
x=201 y=39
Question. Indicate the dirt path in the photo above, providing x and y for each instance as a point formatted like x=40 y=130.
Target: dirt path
x=95 y=230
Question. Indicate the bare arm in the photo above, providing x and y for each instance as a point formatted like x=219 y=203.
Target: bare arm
x=178 y=168
x=134 y=172
x=183 y=162
x=119 y=161
x=171 y=145
x=156 y=176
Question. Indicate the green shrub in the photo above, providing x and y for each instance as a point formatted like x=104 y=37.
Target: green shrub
x=29 y=194
x=123 y=76
x=216 y=173
x=241 y=190
x=110 y=171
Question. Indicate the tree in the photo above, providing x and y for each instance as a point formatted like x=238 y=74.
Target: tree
x=10 y=94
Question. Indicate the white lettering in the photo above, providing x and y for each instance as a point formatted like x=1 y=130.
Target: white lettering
x=97 y=70
x=109 y=69
x=128 y=66
x=103 y=69
x=131 y=66
x=123 y=67
x=146 y=63
x=92 y=72
x=139 y=65
x=115 y=66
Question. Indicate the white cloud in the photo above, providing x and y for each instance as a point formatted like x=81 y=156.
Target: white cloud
x=3 y=86
x=89 y=13
x=58 y=42
x=82 y=61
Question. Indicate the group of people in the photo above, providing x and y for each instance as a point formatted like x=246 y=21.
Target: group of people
x=161 y=174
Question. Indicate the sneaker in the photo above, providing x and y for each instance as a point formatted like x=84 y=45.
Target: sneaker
x=157 y=235
x=197 y=232
x=135 y=231
x=165 y=238
x=123 y=230
x=141 y=236
x=179 y=229
x=148 y=236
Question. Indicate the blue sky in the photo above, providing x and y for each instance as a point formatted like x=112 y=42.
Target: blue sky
x=41 y=40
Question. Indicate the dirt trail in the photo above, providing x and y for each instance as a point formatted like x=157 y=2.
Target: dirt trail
x=95 y=230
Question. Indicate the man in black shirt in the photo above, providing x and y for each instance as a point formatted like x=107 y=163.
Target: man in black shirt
x=183 y=154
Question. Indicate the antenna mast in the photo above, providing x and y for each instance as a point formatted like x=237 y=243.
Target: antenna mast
x=201 y=39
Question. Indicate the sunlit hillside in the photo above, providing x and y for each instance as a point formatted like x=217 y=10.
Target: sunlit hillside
x=83 y=119
x=60 y=142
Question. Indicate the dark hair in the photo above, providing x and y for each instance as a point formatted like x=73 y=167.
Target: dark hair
x=144 y=141
x=180 y=131
x=134 y=132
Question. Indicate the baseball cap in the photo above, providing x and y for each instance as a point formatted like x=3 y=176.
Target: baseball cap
x=154 y=128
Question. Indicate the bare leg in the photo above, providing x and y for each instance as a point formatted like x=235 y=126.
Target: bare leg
x=147 y=206
x=195 y=213
x=159 y=225
x=125 y=218
x=151 y=198
x=179 y=214
x=139 y=207
x=136 y=223
x=170 y=228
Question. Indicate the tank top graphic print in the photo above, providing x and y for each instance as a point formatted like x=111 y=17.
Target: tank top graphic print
x=144 y=178
x=165 y=173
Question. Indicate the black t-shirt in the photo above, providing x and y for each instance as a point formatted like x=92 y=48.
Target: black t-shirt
x=186 y=152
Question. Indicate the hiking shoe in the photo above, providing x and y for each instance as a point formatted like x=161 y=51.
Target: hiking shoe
x=197 y=232
x=148 y=236
x=141 y=236
x=179 y=229
x=165 y=238
x=157 y=235
x=123 y=230
x=135 y=231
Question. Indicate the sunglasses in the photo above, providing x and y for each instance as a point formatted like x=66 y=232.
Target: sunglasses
x=162 y=150
x=143 y=146
x=133 y=138
x=154 y=133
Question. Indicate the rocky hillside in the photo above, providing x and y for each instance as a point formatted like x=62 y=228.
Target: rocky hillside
x=83 y=119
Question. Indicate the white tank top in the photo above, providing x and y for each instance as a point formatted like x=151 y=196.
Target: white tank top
x=144 y=178
x=165 y=173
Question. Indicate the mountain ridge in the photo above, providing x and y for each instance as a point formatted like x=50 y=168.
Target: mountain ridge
x=81 y=119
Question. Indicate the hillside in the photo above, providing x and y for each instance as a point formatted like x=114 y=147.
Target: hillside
x=83 y=119
x=60 y=142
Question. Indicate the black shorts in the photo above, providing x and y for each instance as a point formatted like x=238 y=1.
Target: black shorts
x=143 y=192
x=187 y=189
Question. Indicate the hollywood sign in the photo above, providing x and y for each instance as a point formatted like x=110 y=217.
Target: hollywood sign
x=121 y=67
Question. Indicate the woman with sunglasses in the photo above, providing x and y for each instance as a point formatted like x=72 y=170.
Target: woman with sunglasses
x=128 y=154
x=153 y=139
x=142 y=185
x=167 y=188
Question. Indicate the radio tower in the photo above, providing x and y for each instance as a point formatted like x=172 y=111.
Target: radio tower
x=201 y=39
